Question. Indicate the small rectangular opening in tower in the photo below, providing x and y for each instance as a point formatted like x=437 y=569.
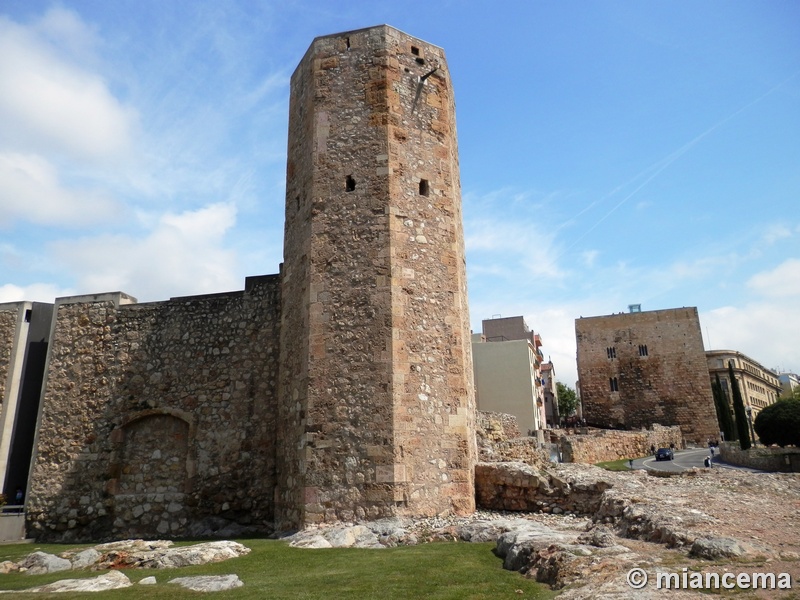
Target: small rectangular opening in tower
x=424 y=188
x=350 y=184
x=28 y=313
x=414 y=50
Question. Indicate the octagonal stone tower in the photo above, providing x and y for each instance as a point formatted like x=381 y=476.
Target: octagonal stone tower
x=376 y=395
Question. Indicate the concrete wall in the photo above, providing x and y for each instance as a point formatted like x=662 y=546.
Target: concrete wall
x=158 y=416
x=506 y=329
x=27 y=325
x=658 y=362
x=12 y=527
x=504 y=380
x=13 y=330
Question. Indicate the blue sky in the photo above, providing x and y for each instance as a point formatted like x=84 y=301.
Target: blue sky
x=611 y=153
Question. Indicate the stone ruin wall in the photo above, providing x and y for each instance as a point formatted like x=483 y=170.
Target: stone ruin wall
x=519 y=487
x=499 y=440
x=773 y=458
x=159 y=418
x=602 y=445
x=668 y=386
x=9 y=313
x=377 y=383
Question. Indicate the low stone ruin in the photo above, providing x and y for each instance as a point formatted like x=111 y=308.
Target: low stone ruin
x=138 y=554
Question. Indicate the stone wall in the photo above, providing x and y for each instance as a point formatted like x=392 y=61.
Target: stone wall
x=520 y=487
x=637 y=369
x=499 y=440
x=782 y=460
x=602 y=445
x=158 y=416
x=8 y=328
x=377 y=383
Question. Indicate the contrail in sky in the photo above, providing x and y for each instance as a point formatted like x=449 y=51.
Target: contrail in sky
x=663 y=164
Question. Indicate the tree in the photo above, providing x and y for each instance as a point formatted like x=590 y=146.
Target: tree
x=738 y=411
x=567 y=399
x=724 y=416
x=791 y=394
x=779 y=423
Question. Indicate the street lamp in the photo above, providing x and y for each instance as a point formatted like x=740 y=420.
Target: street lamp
x=749 y=410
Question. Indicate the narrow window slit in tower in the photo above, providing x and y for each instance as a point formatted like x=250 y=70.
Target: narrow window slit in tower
x=350 y=184
x=28 y=313
x=424 y=188
x=414 y=50
x=347 y=41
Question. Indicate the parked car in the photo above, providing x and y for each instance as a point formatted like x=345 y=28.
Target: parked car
x=664 y=454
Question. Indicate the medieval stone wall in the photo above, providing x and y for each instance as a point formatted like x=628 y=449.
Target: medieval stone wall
x=602 y=445
x=8 y=328
x=159 y=416
x=499 y=440
x=375 y=346
x=521 y=487
x=637 y=369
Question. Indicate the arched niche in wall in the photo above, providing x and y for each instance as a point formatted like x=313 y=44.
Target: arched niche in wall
x=153 y=453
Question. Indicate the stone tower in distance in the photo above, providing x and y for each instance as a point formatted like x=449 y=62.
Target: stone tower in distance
x=376 y=395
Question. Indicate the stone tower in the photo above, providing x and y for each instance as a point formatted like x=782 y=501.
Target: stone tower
x=376 y=405
x=641 y=368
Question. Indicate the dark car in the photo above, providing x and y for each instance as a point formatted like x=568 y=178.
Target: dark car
x=664 y=454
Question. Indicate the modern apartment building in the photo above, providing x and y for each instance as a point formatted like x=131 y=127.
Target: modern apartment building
x=789 y=383
x=507 y=365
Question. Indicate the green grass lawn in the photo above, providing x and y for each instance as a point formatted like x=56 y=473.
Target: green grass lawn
x=273 y=570
x=616 y=465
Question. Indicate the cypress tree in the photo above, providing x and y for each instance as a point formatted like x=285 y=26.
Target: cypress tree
x=724 y=416
x=738 y=411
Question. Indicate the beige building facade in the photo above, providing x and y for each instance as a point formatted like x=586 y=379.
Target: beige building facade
x=759 y=386
x=507 y=361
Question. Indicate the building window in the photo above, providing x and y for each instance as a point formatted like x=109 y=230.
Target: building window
x=614 y=384
x=642 y=350
x=350 y=184
x=424 y=188
x=611 y=352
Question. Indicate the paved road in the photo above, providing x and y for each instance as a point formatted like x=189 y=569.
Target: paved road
x=684 y=459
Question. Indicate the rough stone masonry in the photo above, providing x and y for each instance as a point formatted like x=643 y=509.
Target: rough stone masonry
x=339 y=389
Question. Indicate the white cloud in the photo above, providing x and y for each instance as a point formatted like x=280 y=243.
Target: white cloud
x=781 y=282
x=30 y=190
x=183 y=255
x=37 y=292
x=775 y=233
x=766 y=332
x=48 y=103
x=525 y=250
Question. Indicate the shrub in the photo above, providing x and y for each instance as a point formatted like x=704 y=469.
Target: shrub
x=779 y=423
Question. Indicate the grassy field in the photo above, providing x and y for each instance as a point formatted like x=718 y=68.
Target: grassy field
x=273 y=570
x=615 y=465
